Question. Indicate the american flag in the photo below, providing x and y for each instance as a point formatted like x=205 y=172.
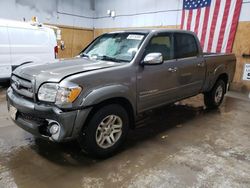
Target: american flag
x=214 y=21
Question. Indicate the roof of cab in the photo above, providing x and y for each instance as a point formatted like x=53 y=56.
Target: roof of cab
x=152 y=30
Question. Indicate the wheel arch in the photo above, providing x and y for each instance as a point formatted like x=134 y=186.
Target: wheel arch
x=221 y=76
x=124 y=102
x=224 y=77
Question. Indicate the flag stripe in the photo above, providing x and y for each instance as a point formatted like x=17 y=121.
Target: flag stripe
x=234 y=26
x=201 y=23
x=204 y=28
x=212 y=29
x=228 y=27
x=193 y=20
x=218 y=26
x=185 y=20
x=211 y=12
x=190 y=13
x=197 y=21
x=223 y=25
x=182 y=18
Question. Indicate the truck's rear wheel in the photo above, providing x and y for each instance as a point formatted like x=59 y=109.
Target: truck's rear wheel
x=214 y=98
x=105 y=131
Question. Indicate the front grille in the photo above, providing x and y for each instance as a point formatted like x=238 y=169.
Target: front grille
x=22 y=86
x=30 y=117
x=41 y=122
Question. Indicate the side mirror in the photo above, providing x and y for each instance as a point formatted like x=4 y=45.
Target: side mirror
x=153 y=59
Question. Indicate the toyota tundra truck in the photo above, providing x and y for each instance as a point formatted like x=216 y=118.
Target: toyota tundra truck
x=96 y=97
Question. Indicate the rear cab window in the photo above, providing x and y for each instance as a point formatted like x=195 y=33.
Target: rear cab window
x=185 y=46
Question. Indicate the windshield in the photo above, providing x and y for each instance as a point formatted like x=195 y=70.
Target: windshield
x=119 y=47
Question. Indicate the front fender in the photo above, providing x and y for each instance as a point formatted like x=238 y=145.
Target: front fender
x=108 y=92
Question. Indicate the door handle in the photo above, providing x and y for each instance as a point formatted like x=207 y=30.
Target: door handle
x=172 y=69
x=201 y=64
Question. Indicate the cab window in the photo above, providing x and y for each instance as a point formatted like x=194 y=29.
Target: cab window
x=185 y=46
x=160 y=44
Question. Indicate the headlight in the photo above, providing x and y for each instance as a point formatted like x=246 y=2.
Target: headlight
x=67 y=95
x=47 y=92
x=61 y=95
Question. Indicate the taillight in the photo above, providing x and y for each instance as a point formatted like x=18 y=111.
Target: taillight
x=56 y=51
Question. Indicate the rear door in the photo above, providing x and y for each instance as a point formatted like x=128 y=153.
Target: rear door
x=5 y=58
x=191 y=65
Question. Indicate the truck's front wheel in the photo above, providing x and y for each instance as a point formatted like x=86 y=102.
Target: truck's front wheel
x=214 y=98
x=105 y=131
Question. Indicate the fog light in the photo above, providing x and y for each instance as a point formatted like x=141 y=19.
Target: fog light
x=54 y=128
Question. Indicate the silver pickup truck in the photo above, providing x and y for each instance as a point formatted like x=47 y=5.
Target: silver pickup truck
x=96 y=97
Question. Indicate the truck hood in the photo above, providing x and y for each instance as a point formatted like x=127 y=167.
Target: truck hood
x=55 y=72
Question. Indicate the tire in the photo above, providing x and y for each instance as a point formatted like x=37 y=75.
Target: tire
x=96 y=138
x=214 y=98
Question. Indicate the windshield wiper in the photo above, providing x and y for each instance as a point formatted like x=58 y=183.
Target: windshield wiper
x=107 y=58
x=84 y=55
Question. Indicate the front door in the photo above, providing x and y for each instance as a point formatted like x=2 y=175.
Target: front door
x=158 y=84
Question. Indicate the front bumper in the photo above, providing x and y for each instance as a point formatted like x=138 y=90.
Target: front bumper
x=35 y=118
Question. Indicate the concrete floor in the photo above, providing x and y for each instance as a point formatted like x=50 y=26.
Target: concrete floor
x=180 y=146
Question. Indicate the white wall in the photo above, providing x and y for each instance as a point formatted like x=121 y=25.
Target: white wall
x=245 y=11
x=130 y=13
x=64 y=12
x=137 y=13
x=140 y=13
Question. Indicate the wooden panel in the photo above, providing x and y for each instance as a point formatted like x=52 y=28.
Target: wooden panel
x=81 y=38
x=98 y=32
x=241 y=45
x=75 y=40
x=67 y=37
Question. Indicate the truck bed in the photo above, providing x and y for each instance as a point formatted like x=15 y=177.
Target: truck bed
x=216 y=63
